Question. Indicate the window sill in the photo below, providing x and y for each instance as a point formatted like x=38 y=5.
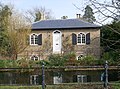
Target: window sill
x=81 y=44
x=33 y=44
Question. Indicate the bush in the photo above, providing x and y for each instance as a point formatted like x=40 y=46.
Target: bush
x=22 y=63
x=25 y=63
x=56 y=60
x=88 y=60
x=111 y=57
x=70 y=56
x=46 y=62
x=7 y=63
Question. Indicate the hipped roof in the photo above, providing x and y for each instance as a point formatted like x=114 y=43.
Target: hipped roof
x=63 y=24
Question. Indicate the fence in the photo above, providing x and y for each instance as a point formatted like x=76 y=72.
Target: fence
x=33 y=76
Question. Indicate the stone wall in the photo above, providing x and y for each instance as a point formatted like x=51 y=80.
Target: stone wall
x=47 y=43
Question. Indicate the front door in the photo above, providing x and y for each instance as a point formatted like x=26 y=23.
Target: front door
x=57 y=42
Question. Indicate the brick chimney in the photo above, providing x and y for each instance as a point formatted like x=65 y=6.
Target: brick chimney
x=42 y=16
x=78 y=16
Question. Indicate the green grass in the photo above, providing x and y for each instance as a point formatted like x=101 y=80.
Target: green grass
x=65 y=86
x=20 y=87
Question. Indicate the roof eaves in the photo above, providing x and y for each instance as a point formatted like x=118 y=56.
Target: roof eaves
x=97 y=27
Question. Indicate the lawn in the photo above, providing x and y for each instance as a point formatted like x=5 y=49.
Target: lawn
x=65 y=86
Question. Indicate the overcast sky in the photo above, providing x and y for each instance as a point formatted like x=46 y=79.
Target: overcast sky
x=58 y=7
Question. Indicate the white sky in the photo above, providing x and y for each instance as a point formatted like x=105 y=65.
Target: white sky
x=59 y=8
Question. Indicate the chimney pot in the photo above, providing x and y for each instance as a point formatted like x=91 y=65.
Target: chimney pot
x=78 y=16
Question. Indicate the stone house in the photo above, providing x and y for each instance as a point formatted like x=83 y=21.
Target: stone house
x=62 y=36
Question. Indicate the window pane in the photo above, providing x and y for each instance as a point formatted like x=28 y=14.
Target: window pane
x=79 y=38
x=34 y=39
x=83 y=38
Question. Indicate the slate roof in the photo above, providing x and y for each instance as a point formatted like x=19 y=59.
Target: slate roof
x=63 y=24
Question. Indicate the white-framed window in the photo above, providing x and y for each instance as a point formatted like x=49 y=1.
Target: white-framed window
x=34 y=58
x=82 y=78
x=35 y=39
x=81 y=38
x=34 y=79
x=57 y=79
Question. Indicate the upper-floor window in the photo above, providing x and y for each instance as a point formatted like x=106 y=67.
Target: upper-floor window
x=34 y=79
x=81 y=39
x=36 y=39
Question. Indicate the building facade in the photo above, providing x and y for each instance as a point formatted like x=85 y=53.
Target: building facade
x=63 y=36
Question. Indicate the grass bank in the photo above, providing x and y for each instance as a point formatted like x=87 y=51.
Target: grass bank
x=65 y=86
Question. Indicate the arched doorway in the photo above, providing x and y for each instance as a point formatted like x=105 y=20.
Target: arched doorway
x=57 y=41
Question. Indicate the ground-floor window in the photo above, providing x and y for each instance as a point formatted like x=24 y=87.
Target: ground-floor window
x=81 y=78
x=57 y=79
x=34 y=79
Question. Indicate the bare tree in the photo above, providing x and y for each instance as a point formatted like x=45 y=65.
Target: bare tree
x=38 y=13
x=17 y=32
x=107 y=9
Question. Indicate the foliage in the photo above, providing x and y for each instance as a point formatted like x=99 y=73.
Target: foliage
x=87 y=60
x=25 y=63
x=111 y=57
x=60 y=60
x=116 y=86
x=56 y=60
x=45 y=62
x=5 y=13
x=7 y=63
x=17 y=34
x=21 y=63
x=110 y=41
x=89 y=15
x=70 y=56
x=13 y=32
